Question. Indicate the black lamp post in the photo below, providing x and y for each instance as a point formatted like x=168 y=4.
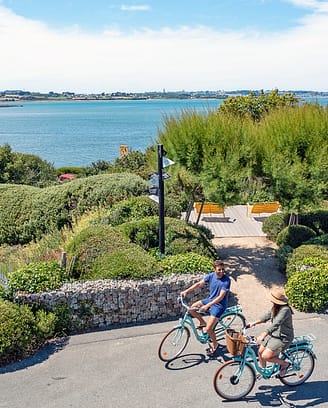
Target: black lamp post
x=161 y=231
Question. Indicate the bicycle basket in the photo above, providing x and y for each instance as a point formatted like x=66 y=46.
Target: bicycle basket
x=235 y=342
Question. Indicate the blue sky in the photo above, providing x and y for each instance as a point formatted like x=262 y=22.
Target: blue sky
x=132 y=45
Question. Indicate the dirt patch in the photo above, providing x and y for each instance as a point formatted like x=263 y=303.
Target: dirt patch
x=253 y=268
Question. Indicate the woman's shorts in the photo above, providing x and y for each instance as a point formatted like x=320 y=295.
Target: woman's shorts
x=215 y=310
x=275 y=344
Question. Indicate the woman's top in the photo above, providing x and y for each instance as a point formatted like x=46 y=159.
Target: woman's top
x=281 y=325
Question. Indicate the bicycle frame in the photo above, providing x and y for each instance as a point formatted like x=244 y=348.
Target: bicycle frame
x=249 y=356
x=220 y=327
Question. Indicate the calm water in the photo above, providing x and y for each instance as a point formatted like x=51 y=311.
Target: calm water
x=79 y=133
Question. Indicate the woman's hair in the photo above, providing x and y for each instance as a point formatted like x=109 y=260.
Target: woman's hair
x=275 y=309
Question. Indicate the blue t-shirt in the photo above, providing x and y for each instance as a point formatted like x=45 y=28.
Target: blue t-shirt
x=216 y=285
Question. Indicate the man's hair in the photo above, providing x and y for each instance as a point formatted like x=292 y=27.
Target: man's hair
x=217 y=262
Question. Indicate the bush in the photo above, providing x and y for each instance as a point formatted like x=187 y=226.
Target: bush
x=130 y=263
x=295 y=235
x=93 y=243
x=283 y=253
x=186 y=263
x=316 y=220
x=37 y=277
x=306 y=256
x=26 y=213
x=274 y=224
x=320 y=240
x=132 y=209
x=179 y=236
x=16 y=330
x=308 y=290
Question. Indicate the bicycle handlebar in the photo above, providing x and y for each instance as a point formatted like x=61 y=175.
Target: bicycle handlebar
x=197 y=309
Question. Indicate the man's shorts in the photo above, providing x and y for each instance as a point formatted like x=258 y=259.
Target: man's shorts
x=215 y=310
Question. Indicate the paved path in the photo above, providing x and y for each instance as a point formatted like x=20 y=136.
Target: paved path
x=120 y=368
x=235 y=223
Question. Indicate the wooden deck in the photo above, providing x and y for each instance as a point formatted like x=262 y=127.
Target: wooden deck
x=234 y=224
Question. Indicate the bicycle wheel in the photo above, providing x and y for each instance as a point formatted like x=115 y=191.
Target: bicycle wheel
x=233 y=321
x=173 y=344
x=232 y=384
x=302 y=366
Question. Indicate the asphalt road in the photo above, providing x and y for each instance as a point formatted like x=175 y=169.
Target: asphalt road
x=120 y=368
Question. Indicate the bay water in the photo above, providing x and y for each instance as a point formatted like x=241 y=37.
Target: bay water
x=78 y=133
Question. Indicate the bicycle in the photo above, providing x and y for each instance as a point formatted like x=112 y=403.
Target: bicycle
x=176 y=340
x=236 y=378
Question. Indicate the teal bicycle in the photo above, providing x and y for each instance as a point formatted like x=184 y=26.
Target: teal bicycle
x=176 y=340
x=236 y=378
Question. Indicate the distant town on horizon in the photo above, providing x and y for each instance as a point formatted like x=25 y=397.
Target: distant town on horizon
x=20 y=95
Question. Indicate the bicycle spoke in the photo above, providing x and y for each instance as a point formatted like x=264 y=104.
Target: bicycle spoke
x=232 y=382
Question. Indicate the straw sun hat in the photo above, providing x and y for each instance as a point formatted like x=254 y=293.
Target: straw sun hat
x=278 y=296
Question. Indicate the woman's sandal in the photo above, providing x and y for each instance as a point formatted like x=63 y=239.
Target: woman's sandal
x=284 y=370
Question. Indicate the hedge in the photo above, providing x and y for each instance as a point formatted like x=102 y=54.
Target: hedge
x=26 y=213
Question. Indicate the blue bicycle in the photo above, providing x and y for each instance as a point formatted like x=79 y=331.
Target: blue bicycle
x=236 y=378
x=176 y=340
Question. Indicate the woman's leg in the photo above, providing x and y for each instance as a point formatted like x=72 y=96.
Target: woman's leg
x=271 y=356
x=262 y=362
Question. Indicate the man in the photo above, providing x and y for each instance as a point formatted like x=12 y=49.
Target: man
x=216 y=303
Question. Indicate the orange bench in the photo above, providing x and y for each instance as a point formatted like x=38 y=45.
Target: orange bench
x=208 y=208
x=263 y=208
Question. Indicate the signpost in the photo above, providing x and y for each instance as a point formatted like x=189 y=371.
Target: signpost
x=157 y=181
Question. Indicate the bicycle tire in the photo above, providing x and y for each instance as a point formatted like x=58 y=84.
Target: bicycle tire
x=173 y=343
x=302 y=367
x=226 y=384
x=234 y=321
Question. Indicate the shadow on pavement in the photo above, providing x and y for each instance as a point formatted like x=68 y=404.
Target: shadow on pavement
x=43 y=354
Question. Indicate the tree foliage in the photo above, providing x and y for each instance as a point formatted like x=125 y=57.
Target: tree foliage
x=21 y=168
x=281 y=157
x=255 y=105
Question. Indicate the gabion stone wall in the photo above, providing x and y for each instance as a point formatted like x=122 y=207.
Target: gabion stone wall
x=101 y=303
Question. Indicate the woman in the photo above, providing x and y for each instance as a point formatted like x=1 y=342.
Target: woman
x=279 y=335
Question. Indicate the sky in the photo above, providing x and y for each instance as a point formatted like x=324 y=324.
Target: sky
x=108 y=46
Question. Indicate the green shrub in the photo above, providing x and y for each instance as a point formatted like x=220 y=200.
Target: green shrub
x=45 y=325
x=16 y=330
x=37 y=277
x=90 y=244
x=274 y=224
x=179 y=236
x=320 y=240
x=186 y=263
x=306 y=256
x=129 y=263
x=64 y=318
x=26 y=213
x=295 y=235
x=316 y=220
x=283 y=253
x=132 y=209
x=308 y=290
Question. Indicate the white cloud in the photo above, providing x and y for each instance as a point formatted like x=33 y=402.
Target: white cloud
x=34 y=57
x=315 y=5
x=134 y=8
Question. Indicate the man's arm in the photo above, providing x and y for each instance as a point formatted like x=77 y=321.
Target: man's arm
x=215 y=300
x=196 y=285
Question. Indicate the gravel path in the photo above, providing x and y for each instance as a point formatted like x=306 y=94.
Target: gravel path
x=253 y=267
